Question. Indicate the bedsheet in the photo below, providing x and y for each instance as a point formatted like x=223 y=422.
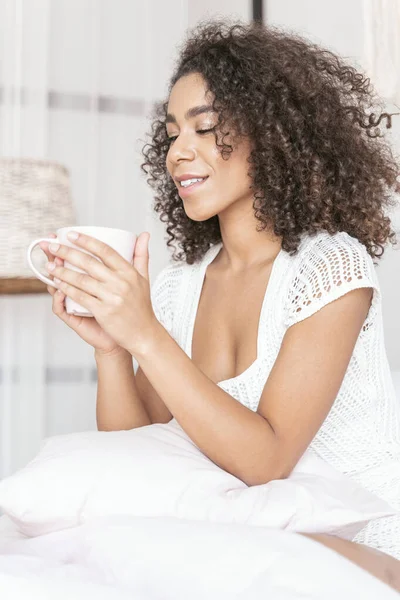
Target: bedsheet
x=164 y=558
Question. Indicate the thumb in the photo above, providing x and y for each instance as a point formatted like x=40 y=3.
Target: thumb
x=141 y=255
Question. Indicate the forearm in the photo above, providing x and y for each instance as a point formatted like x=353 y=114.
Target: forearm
x=237 y=439
x=118 y=403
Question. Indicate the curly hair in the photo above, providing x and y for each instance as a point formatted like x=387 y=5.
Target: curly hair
x=318 y=160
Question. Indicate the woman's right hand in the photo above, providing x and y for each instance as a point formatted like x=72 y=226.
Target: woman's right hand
x=86 y=327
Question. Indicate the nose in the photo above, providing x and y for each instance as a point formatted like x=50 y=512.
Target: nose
x=183 y=148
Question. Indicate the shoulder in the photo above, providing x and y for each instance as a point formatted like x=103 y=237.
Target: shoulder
x=336 y=258
x=326 y=248
x=326 y=267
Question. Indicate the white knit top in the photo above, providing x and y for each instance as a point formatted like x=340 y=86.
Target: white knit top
x=361 y=434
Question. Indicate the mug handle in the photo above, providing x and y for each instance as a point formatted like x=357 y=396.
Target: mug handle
x=32 y=266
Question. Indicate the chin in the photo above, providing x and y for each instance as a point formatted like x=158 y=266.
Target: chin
x=199 y=216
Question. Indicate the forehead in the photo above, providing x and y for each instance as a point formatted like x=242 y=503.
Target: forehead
x=188 y=92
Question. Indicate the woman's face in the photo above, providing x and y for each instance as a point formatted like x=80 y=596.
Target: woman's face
x=193 y=152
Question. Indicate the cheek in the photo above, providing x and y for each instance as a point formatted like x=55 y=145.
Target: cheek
x=168 y=163
x=233 y=171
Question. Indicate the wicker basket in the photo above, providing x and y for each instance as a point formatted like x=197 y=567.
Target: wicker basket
x=35 y=200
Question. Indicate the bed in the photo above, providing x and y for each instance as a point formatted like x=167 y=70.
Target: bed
x=145 y=515
x=167 y=558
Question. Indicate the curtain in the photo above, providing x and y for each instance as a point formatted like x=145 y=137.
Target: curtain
x=78 y=79
x=382 y=47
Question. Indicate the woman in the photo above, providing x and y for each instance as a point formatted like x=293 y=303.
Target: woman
x=267 y=338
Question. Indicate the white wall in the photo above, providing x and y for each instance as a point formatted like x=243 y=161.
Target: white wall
x=339 y=27
x=241 y=9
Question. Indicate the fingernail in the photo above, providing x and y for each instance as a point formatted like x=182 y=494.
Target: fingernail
x=72 y=235
x=57 y=280
x=50 y=266
x=54 y=247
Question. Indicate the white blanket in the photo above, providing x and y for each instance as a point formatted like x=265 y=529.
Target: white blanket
x=164 y=558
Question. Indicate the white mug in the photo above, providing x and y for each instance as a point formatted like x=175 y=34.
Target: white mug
x=122 y=241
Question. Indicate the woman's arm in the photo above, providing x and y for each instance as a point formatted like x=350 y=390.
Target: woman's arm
x=119 y=405
x=155 y=407
x=260 y=446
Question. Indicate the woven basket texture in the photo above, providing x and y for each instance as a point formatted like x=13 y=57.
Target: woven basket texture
x=35 y=200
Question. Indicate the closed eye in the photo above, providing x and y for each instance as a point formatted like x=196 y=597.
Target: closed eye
x=173 y=138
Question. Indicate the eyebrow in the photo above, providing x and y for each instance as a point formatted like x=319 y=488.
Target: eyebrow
x=192 y=112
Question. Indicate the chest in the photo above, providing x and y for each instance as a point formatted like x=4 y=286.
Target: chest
x=226 y=326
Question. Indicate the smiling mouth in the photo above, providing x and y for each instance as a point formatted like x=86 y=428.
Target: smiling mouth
x=198 y=180
x=183 y=189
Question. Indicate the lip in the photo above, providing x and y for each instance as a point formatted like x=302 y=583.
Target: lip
x=184 y=192
x=180 y=178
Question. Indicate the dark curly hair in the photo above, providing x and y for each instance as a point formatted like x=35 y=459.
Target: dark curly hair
x=318 y=161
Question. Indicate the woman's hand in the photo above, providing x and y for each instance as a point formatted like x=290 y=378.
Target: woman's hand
x=86 y=327
x=116 y=292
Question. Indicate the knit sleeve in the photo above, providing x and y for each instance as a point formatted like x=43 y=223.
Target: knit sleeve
x=331 y=267
x=164 y=292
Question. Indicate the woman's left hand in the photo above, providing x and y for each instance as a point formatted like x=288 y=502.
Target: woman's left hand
x=116 y=292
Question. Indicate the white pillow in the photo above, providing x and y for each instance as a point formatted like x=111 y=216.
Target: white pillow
x=157 y=470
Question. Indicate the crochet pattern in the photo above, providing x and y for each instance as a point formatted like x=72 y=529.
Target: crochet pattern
x=361 y=434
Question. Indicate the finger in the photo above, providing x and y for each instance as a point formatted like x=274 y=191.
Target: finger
x=57 y=261
x=141 y=255
x=93 y=266
x=44 y=246
x=110 y=257
x=47 y=253
x=80 y=281
x=86 y=300
x=59 y=310
x=58 y=302
x=50 y=288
